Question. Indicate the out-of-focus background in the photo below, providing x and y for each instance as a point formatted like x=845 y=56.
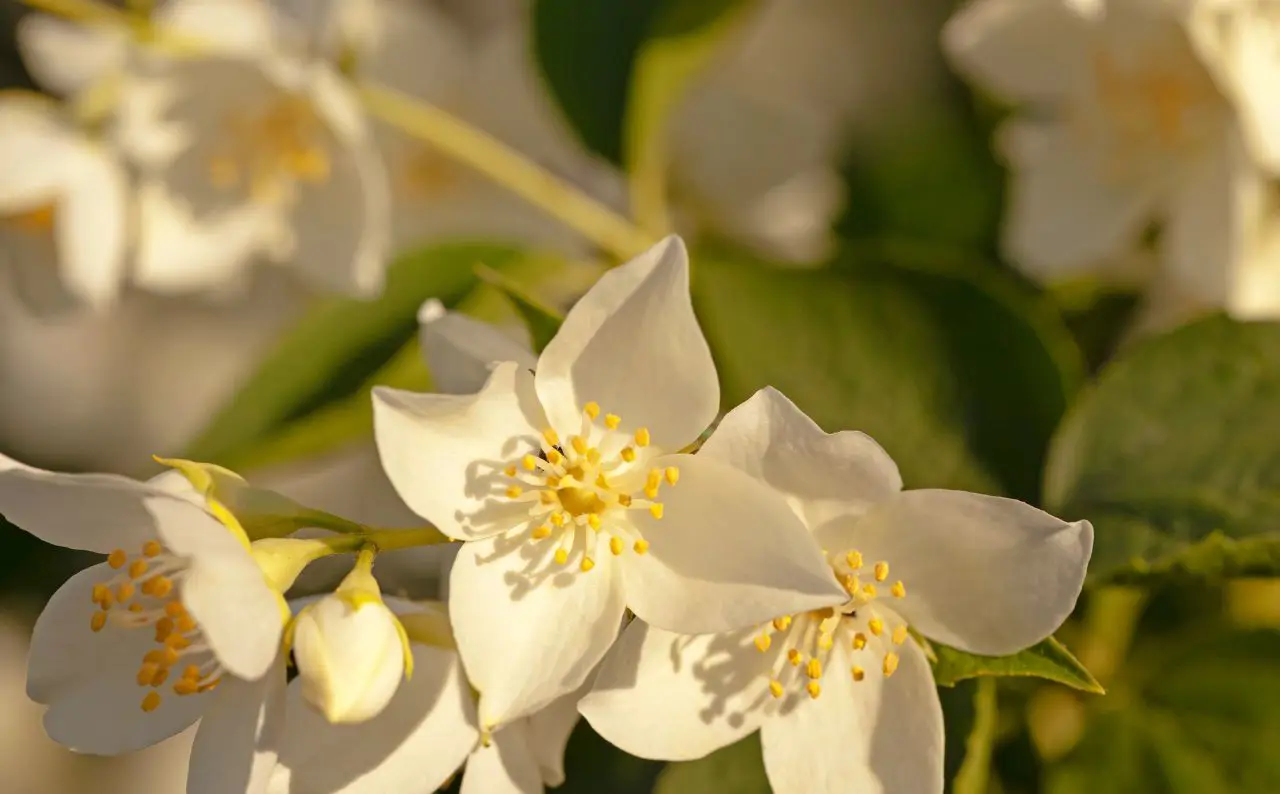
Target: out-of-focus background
x=1030 y=253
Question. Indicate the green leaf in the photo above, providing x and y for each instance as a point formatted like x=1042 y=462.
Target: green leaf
x=736 y=769
x=1048 y=659
x=594 y=766
x=542 y=322
x=338 y=343
x=1199 y=716
x=935 y=365
x=972 y=714
x=1174 y=455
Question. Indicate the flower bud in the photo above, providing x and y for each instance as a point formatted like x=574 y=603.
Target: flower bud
x=351 y=650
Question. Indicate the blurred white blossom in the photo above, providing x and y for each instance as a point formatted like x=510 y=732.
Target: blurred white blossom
x=1135 y=113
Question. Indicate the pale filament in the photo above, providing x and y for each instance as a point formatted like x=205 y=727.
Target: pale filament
x=803 y=642
x=272 y=150
x=580 y=489
x=144 y=595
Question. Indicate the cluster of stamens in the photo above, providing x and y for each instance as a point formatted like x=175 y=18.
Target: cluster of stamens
x=583 y=486
x=143 y=595
x=268 y=152
x=808 y=638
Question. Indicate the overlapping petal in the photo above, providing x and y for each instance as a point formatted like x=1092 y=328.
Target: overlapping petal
x=445 y=453
x=461 y=351
x=633 y=345
x=529 y=631
x=506 y=767
x=677 y=697
x=237 y=744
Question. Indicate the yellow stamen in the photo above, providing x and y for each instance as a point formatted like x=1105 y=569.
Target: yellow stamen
x=655 y=509
x=615 y=545
x=592 y=409
x=152 y=548
x=628 y=454
x=642 y=437
x=775 y=688
x=876 y=625
x=859 y=641
x=899 y=590
x=814 y=689
x=854 y=560
x=552 y=438
x=514 y=491
x=542 y=532
x=782 y=623
x=869 y=590
x=554 y=457
x=593 y=520
x=890 y=664
x=510 y=471
x=882 y=571
x=125 y=591
x=763 y=641
x=151 y=702
x=612 y=421
x=558 y=519
x=579 y=445
x=793 y=656
x=145 y=673
x=117 y=558
x=641 y=546
x=672 y=475
x=98 y=620
x=529 y=462
x=899 y=635
x=814 y=669
x=562 y=556
x=138 y=569
x=586 y=564
x=593 y=457
x=858 y=673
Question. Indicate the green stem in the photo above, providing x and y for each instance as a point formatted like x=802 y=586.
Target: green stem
x=1109 y=623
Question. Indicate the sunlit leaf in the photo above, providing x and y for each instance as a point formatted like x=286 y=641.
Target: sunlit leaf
x=1175 y=455
x=1048 y=659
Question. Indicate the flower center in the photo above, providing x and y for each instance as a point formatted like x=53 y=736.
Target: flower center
x=804 y=642
x=582 y=489
x=144 y=594
x=268 y=152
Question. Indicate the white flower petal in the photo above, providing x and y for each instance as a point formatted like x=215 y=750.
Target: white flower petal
x=88 y=681
x=92 y=225
x=91 y=512
x=64 y=56
x=529 y=634
x=985 y=574
x=823 y=474
x=412 y=747
x=548 y=735
x=728 y=553
x=243 y=27
x=445 y=453
x=676 y=697
x=506 y=767
x=1019 y=50
x=236 y=746
x=875 y=736
x=461 y=351
x=240 y=615
x=33 y=152
x=633 y=345
x=1065 y=213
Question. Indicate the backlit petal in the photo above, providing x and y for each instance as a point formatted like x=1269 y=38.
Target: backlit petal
x=461 y=351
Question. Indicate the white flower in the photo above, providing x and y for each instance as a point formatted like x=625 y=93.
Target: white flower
x=249 y=148
x=575 y=502
x=1136 y=121
x=178 y=624
x=426 y=733
x=63 y=208
x=982 y=573
x=350 y=649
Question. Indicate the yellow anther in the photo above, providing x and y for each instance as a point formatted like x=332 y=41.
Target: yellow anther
x=882 y=571
x=101 y=593
x=138 y=569
x=628 y=454
x=876 y=625
x=186 y=686
x=175 y=609
x=191 y=671
x=859 y=641
x=514 y=491
x=616 y=545
x=624 y=499
x=814 y=689
x=586 y=564
x=135 y=607
x=869 y=590
x=775 y=688
x=858 y=673
x=529 y=462
x=794 y=657
x=558 y=519
x=602 y=482
x=177 y=642
x=161 y=586
x=641 y=546
x=612 y=421
x=145 y=672
x=763 y=641
x=593 y=520
x=164 y=627
x=579 y=445
x=125 y=591
x=782 y=623
x=642 y=437
x=510 y=471
x=553 y=482
x=655 y=509
x=554 y=457
x=825 y=641
x=186 y=624
x=591 y=409
x=151 y=702
x=814 y=669
x=152 y=548
x=890 y=664
x=854 y=560
x=850 y=583
x=899 y=590
x=593 y=456
x=117 y=558
x=159 y=677
x=562 y=556
x=899 y=635
x=548 y=497
x=671 y=475
x=552 y=438
x=98 y=620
